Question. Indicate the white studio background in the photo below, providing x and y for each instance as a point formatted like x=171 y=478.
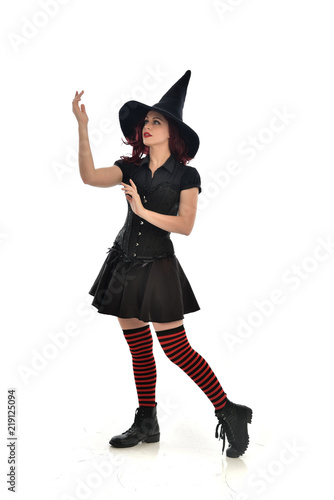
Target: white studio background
x=260 y=254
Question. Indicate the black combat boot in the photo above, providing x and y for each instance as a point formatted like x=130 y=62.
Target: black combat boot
x=233 y=419
x=145 y=428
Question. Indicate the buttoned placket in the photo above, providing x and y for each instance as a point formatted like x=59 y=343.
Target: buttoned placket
x=149 y=181
x=139 y=232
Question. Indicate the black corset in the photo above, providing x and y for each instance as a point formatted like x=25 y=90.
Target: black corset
x=139 y=239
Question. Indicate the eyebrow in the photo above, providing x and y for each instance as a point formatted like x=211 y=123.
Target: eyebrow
x=155 y=117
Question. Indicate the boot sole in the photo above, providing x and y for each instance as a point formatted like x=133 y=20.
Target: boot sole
x=233 y=453
x=249 y=412
x=152 y=439
x=149 y=439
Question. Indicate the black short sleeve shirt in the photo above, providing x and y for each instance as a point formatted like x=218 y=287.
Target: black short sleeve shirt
x=173 y=172
x=159 y=192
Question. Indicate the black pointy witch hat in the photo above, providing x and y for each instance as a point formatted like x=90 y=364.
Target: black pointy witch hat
x=170 y=105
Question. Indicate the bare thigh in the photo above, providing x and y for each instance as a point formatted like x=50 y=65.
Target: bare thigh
x=127 y=323
x=166 y=326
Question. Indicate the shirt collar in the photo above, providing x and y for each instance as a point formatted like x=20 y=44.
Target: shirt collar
x=169 y=163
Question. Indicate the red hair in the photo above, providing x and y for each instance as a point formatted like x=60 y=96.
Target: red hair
x=177 y=145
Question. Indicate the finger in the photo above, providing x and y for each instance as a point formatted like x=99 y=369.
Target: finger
x=77 y=96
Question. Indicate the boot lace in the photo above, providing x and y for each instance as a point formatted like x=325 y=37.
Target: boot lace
x=134 y=426
x=225 y=430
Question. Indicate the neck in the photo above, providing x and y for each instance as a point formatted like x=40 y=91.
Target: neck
x=159 y=155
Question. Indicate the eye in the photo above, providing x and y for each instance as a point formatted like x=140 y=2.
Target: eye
x=154 y=121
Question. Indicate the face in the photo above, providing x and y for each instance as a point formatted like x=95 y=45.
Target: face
x=157 y=126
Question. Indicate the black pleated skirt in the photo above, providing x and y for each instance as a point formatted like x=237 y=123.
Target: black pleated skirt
x=153 y=290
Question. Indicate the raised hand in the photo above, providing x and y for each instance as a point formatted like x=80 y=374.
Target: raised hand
x=80 y=114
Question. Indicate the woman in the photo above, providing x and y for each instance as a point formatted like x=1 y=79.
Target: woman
x=141 y=280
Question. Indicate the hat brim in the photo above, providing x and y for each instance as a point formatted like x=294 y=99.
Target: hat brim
x=132 y=112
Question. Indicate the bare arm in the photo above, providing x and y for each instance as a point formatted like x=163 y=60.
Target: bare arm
x=101 y=177
x=182 y=223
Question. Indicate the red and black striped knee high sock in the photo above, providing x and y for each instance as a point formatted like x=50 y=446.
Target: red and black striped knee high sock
x=177 y=348
x=144 y=369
